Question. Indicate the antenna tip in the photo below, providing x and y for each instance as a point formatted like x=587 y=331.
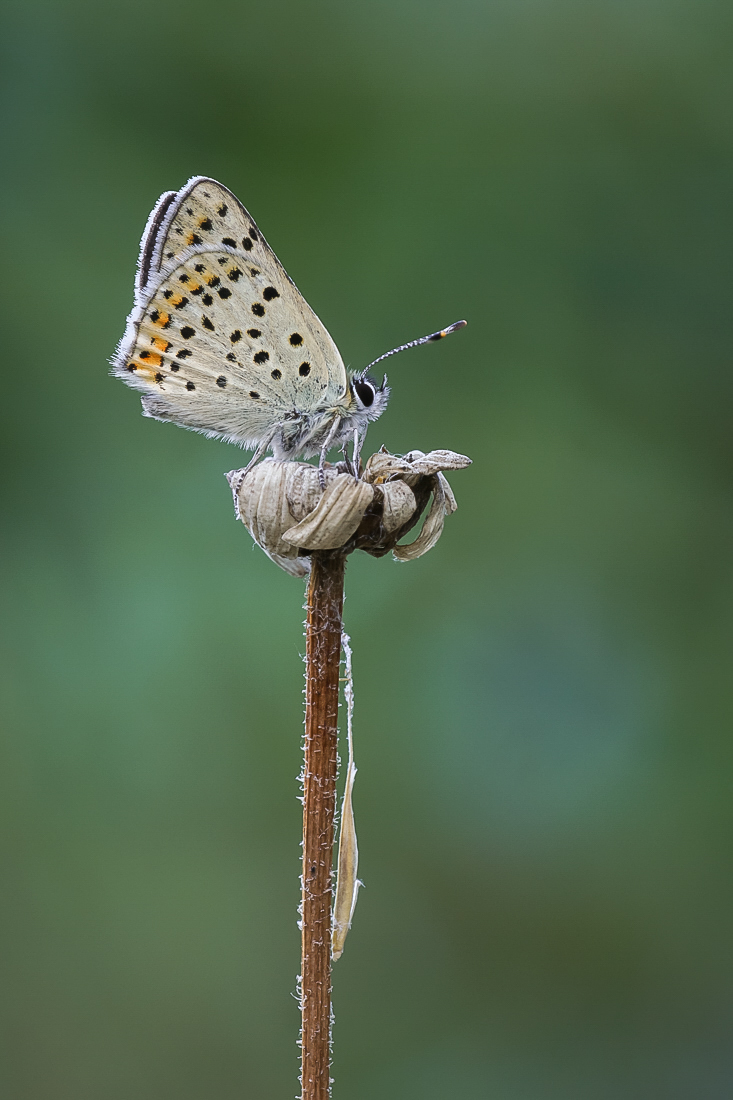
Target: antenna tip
x=452 y=328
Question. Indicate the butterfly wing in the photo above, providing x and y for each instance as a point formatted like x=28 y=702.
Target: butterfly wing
x=220 y=340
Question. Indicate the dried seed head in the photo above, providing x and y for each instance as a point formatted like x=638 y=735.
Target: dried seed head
x=287 y=513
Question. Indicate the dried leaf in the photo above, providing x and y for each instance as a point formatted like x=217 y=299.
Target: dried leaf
x=347 y=884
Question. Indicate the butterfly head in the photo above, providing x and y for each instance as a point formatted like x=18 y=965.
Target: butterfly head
x=370 y=398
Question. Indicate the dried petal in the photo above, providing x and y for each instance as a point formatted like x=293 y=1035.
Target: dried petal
x=262 y=505
x=450 y=500
x=273 y=497
x=304 y=489
x=431 y=531
x=384 y=466
x=399 y=505
x=434 y=461
x=336 y=516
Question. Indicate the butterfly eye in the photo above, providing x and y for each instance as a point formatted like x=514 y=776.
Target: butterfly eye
x=364 y=391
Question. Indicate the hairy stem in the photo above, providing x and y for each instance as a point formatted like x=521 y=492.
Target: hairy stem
x=323 y=655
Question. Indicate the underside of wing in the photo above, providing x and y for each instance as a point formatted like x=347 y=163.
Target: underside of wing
x=202 y=212
x=221 y=340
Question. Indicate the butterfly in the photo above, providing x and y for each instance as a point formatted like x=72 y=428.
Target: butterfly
x=221 y=341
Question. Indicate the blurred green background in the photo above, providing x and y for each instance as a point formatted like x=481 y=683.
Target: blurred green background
x=544 y=703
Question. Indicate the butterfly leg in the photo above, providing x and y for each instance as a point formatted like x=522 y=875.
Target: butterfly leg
x=347 y=460
x=325 y=449
x=356 y=457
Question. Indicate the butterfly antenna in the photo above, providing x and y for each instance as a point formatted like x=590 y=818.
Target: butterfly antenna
x=423 y=340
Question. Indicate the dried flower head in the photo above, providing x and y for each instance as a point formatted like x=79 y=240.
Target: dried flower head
x=289 y=515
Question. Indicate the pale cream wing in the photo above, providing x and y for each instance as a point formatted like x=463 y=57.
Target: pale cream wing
x=203 y=211
x=221 y=339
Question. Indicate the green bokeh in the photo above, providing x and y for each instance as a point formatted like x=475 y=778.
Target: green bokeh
x=544 y=703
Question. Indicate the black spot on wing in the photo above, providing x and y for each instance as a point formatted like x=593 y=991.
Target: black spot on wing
x=235 y=336
x=254 y=333
x=246 y=244
x=224 y=292
x=206 y=224
x=304 y=369
x=276 y=373
x=184 y=353
x=262 y=356
x=269 y=293
x=258 y=309
x=187 y=332
x=296 y=339
x=207 y=323
x=229 y=242
x=190 y=386
x=221 y=381
x=222 y=211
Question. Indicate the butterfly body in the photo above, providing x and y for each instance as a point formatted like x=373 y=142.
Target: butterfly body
x=221 y=341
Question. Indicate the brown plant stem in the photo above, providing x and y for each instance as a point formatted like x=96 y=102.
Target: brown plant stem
x=323 y=655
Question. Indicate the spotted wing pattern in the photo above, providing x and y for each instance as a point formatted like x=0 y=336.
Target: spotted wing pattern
x=220 y=339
